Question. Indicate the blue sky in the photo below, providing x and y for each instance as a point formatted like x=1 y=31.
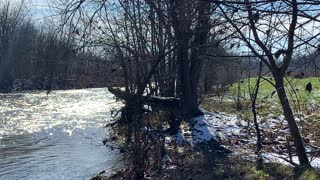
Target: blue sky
x=39 y=8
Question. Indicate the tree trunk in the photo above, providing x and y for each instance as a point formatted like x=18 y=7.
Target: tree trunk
x=181 y=25
x=255 y=120
x=190 y=65
x=253 y=98
x=188 y=99
x=294 y=130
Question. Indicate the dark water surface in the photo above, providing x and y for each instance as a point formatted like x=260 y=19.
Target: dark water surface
x=55 y=136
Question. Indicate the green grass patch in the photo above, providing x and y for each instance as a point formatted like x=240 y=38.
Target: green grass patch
x=267 y=100
x=234 y=169
x=309 y=174
x=237 y=169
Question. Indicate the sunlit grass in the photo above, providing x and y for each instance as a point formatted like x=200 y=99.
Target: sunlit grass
x=268 y=101
x=237 y=169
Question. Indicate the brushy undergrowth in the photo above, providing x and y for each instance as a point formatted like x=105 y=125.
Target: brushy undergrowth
x=305 y=105
x=205 y=161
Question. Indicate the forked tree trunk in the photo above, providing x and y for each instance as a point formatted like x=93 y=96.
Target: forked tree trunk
x=256 y=125
x=189 y=100
x=190 y=65
x=294 y=130
x=253 y=98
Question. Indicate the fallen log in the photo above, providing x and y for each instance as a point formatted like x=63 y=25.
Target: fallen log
x=120 y=94
x=163 y=102
x=159 y=102
x=171 y=105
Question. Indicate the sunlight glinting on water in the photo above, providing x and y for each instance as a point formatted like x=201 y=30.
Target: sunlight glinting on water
x=37 y=111
x=55 y=136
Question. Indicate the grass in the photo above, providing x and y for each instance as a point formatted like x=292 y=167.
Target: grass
x=246 y=170
x=234 y=168
x=301 y=100
x=237 y=169
x=309 y=174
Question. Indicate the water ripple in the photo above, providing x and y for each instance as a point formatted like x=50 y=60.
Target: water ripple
x=55 y=136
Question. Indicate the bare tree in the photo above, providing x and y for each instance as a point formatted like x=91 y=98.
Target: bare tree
x=253 y=97
x=270 y=29
x=11 y=16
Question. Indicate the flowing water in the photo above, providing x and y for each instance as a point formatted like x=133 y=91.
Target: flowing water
x=55 y=136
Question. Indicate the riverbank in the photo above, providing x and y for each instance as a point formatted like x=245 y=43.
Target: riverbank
x=211 y=146
x=220 y=146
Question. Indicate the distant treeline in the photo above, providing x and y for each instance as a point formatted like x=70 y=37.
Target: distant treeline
x=34 y=57
x=302 y=66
